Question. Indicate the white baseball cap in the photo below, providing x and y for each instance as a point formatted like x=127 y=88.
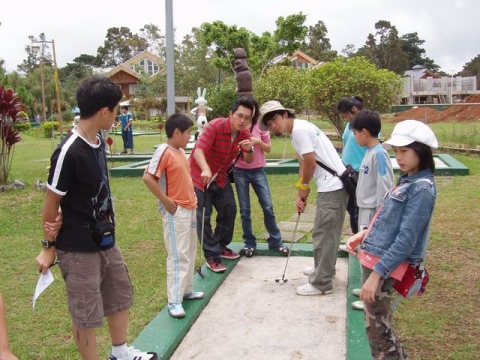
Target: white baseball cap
x=408 y=131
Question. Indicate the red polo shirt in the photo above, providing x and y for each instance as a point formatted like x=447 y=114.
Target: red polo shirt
x=219 y=147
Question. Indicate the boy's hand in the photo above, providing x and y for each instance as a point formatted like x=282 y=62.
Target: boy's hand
x=52 y=229
x=170 y=206
x=45 y=259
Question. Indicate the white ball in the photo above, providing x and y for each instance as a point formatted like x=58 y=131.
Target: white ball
x=281 y=282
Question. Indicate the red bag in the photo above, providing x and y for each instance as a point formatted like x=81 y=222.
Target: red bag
x=414 y=282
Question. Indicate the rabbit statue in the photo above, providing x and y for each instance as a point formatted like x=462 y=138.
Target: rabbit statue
x=201 y=110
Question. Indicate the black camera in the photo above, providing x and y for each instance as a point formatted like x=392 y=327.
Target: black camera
x=104 y=233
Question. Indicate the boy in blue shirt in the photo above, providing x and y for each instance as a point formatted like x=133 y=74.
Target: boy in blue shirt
x=375 y=176
x=127 y=129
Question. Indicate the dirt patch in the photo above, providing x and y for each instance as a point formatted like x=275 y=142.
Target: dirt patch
x=457 y=113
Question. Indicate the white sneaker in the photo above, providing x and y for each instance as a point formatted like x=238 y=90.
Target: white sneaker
x=309 y=290
x=135 y=354
x=194 y=295
x=308 y=271
x=343 y=247
x=176 y=310
x=358 y=305
x=356 y=292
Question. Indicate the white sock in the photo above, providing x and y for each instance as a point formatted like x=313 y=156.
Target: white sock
x=120 y=350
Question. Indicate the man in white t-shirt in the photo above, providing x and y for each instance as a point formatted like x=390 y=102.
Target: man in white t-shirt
x=311 y=145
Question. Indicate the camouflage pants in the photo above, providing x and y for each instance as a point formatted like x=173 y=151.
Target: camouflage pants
x=384 y=343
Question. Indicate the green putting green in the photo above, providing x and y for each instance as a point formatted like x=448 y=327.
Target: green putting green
x=445 y=165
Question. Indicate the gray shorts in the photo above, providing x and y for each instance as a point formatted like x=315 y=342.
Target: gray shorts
x=97 y=285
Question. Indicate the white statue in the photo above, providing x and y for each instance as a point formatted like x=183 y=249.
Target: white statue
x=201 y=109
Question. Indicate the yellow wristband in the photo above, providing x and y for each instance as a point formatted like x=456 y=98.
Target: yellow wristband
x=301 y=186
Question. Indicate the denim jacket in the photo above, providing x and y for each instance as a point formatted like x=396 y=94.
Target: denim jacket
x=401 y=227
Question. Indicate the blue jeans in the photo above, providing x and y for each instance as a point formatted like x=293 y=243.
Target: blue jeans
x=214 y=241
x=127 y=137
x=258 y=179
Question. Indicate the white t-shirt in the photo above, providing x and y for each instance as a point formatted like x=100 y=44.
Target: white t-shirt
x=308 y=138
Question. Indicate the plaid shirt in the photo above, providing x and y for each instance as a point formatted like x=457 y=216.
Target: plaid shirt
x=219 y=147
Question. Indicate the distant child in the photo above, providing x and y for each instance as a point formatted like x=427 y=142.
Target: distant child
x=168 y=178
x=375 y=176
x=398 y=233
x=352 y=153
x=126 y=119
x=97 y=281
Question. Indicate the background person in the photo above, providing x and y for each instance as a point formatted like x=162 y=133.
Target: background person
x=398 y=232
x=168 y=177
x=211 y=157
x=126 y=119
x=375 y=177
x=254 y=174
x=352 y=152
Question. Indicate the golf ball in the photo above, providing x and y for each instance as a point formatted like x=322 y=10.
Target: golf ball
x=281 y=282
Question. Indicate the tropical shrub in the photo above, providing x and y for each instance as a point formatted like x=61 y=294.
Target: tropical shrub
x=10 y=106
x=49 y=127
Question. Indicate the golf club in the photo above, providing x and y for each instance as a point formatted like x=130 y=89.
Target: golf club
x=283 y=280
x=199 y=270
x=205 y=188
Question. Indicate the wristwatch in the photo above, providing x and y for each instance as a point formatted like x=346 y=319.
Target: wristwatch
x=47 y=244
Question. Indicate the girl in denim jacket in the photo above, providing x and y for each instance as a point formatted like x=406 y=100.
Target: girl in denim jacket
x=397 y=233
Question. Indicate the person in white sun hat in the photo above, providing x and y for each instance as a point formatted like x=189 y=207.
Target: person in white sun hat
x=397 y=236
x=312 y=145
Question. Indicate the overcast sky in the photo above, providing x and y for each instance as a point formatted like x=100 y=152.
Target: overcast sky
x=450 y=28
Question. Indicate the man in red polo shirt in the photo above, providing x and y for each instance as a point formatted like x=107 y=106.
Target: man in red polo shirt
x=213 y=153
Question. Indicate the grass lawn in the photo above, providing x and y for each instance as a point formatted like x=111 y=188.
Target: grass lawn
x=443 y=324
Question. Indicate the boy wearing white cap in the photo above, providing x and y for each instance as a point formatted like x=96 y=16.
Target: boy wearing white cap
x=312 y=145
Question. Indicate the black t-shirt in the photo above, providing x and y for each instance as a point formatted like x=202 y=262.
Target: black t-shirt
x=78 y=172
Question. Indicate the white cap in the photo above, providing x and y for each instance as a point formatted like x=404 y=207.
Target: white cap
x=408 y=131
x=269 y=106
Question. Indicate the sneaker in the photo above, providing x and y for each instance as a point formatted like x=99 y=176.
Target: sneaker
x=229 y=254
x=356 y=292
x=358 y=305
x=194 y=295
x=343 y=247
x=132 y=152
x=216 y=265
x=308 y=271
x=176 y=310
x=135 y=354
x=309 y=290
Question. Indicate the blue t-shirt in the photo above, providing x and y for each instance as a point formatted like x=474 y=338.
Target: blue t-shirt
x=124 y=119
x=352 y=153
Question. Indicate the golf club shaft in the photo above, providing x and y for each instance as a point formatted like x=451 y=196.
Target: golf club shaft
x=203 y=228
x=291 y=245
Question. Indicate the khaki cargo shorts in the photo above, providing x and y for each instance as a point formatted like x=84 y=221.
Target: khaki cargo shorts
x=97 y=283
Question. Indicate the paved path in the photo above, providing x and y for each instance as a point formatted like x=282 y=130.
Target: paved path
x=253 y=317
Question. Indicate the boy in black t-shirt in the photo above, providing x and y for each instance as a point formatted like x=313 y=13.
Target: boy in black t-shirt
x=91 y=263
